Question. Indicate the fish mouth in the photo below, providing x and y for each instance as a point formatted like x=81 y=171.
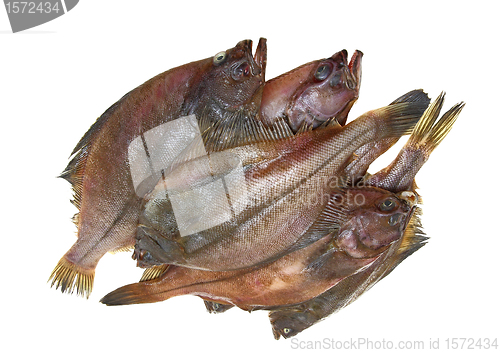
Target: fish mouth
x=352 y=77
x=259 y=60
x=412 y=201
x=355 y=69
x=351 y=72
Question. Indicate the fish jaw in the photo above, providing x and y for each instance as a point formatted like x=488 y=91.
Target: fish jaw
x=260 y=57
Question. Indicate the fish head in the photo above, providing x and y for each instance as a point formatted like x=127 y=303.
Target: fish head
x=375 y=219
x=288 y=323
x=314 y=92
x=236 y=77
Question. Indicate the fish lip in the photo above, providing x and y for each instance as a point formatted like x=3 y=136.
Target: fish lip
x=355 y=67
x=409 y=217
x=260 y=56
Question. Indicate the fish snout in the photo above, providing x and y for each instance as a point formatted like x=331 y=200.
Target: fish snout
x=409 y=197
x=347 y=73
x=256 y=63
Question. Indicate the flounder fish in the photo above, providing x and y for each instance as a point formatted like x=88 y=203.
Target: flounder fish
x=117 y=162
x=341 y=251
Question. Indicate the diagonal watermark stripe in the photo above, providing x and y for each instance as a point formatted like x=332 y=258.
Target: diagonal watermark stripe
x=28 y=14
x=203 y=190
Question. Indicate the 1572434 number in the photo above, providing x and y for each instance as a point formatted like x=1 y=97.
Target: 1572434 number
x=471 y=343
x=32 y=7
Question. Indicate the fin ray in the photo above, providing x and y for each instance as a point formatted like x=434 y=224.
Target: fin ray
x=70 y=276
x=154 y=272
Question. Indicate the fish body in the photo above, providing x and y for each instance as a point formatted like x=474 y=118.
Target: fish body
x=280 y=191
x=102 y=170
x=302 y=274
x=397 y=177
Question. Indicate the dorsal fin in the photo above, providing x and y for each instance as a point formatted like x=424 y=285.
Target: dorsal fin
x=304 y=127
x=75 y=170
x=238 y=129
x=329 y=123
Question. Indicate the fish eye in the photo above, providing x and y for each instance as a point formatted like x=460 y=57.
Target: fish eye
x=219 y=58
x=394 y=219
x=322 y=72
x=287 y=330
x=387 y=205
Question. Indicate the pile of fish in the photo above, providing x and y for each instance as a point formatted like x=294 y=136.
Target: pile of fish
x=250 y=193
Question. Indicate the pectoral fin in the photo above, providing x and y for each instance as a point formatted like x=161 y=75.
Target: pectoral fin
x=328 y=222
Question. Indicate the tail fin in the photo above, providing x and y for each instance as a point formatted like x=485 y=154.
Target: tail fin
x=426 y=136
x=427 y=133
x=69 y=276
x=368 y=153
x=408 y=109
x=397 y=119
x=417 y=95
x=135 y=293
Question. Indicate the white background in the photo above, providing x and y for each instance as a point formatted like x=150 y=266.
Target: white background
x=56 y=79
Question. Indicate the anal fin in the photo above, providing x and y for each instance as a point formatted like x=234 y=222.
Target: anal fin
x=154 y=272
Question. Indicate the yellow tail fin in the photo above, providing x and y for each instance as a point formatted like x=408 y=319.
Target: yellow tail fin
x=69 y=276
